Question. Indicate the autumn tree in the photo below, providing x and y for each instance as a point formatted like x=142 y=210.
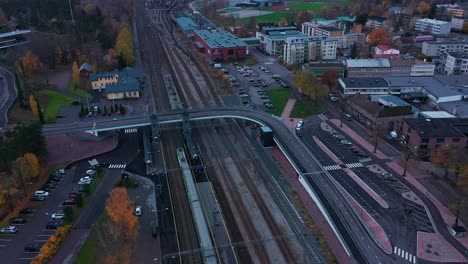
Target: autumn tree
x=124 y=44
x=122 y=226
x=21 y=171
x=444 y=157
x=252 y=26
x=75 y=74
x=330 y=78
x=28 y=64
x=283 y=22
x=242 y=32
x=33 y=105
x=379 y=36
x=423 y=8
x=309 y=85
x=303 y=16
x=33 y=163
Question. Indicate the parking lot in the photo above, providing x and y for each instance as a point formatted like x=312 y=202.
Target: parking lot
x=250 y=83
x=34 y=227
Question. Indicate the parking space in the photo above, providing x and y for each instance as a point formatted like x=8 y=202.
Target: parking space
x=344 y=149
x=32 y=225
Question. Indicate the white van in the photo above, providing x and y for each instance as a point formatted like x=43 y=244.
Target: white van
x=217 y=66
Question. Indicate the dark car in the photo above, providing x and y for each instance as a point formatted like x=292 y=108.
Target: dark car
x=26 y=211
x=37 y=198
x=17 y=220
x=53 y=224
x=33 y=247
x=72 y=195
x=69 y=202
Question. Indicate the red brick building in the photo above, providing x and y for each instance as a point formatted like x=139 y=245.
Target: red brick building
x=424 y=136
x=220 y=46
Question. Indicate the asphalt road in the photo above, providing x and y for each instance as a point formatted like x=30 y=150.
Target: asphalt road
x=7 y=95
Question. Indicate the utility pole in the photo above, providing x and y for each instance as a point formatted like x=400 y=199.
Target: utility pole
x=71 y=12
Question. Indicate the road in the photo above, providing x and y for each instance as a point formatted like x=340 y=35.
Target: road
x=7 y=95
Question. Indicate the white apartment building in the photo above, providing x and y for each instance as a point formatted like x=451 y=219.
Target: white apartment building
x=433 y=26
x=437 y=48
x=456 y=63
x=422 y=69
x=322 y=48
x=296 y=50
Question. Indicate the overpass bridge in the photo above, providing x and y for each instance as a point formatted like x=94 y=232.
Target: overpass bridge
x=318 y=182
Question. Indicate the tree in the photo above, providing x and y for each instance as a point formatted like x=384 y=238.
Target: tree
x=252 y=26
x=444 y=157
x=330 y=78
x=303 y=16
x=423 y=8
x=21 y=171
x=379 y=36
x=33 y=162
x=362 y=19
x=242 y=32
x=283 y=22
x=75 y=74
x=122 y=224
x=28 y=64
x=33 y=105
x=124 y=44
x=309 y=85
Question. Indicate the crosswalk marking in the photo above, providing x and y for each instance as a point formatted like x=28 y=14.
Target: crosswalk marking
x=131 y=130
x=354 y=165
x=332 y=167
x=404 y=254
x=117 y=166
x=365 y=160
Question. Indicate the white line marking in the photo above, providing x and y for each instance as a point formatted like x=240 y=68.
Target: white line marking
x=394 y=250
x=399 y=250
x=406 y=256
x=414 y=259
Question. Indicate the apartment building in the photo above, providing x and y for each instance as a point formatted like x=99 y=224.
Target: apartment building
x=322 y=48
x=437 y=48
x=433 y=26
x=455 y=63
x=375 y=22
x=296 y=50
x=385 y=51
x=348 y=40
x=273 y=39
x=458 y=10
x=316 y=29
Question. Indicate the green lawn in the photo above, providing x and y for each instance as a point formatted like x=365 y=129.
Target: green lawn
x=273 y=17
x=307 y=6
x=77 y=91
x=87 y=252
x=51 y=101
x=304 y=108
x=278 y=98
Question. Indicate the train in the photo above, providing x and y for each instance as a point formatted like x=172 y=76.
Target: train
x=193 y=151
x=204 y=236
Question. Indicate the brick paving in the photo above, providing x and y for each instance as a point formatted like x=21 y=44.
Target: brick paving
x=433 y=247
x=312 y=208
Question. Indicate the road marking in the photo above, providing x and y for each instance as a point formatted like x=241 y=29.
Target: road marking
x=48 y=230
x=117 y=166
x=1 y=239
x=332 y=167
x=394 y=250
x=3 y=245
x=44 y=235
x=399 y=250
x=414 y=259
x=26 y=258
x=40 y=240
x=354 y=165
x=131 y=130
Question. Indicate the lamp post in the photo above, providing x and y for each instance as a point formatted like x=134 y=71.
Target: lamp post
x=407 y=157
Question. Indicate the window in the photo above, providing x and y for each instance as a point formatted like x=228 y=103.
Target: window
x=425 y=141
x=440 y=140
x=455 y=140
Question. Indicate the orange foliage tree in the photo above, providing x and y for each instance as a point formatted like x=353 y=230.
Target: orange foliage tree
x=379 y=36
x=423 y=8
x=28 y=64
x=283 y=22
x=33 y=105
x=34 y=165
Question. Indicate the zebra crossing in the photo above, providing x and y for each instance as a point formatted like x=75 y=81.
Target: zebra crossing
x=406 y=255
x=117 y=166
x=332 y=167
x=354 y=165
x=131 y=130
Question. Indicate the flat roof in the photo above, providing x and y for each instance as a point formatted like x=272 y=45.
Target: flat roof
x=391 y=100
x=439 y=85
x=368 y=63
x=433 y=21
x=436 y=114
x=187 y=24
x=364 y=82
x=220 y=40
x=438 y=127
x=459 y=108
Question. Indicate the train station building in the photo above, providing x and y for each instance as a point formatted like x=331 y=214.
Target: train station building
x=220 y=46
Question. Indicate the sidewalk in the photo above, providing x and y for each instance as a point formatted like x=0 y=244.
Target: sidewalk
x=290 y=122
x=411 y=177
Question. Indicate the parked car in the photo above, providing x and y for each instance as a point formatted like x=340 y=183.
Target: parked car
x=17 y=220
x=264 y=97
x=62 y=172
x=32 y=247
x=91 y=172
x=85 y=180
x=37 y=198
x=53 y=224
x=346 y=142
x=138 y=210
x=41 y=192
x=333 y=99
x=362 y=154
x=69 y=202
x=58 y=216
x=9 y=230
x=72 y=195
x=244 y=95
x=26 y=211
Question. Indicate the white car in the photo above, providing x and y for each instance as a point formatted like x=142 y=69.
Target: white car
x=9 y=230
x=346 y=142
x=85 y=180
x=41 y=193
x=58 y=216
x=138 y=210
x=91 y=172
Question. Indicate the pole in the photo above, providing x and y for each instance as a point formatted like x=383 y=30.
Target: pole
x=71 y=12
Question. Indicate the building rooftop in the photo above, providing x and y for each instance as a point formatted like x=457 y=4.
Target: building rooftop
x=436 y=114
x=329 y=28
x=384 y=47
x=131 y=85
x=432 y=21
x=400 y=62
x=368 y=63
x=391 y=100
x=85 y=66
x=220 y=40
x=439 y=127
x=187 y=24
x=320 y=64
x=128 y=80
x=364 y=82
x=458 y=55
x=272 y=30
x=439 y=86
x=459 y=108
